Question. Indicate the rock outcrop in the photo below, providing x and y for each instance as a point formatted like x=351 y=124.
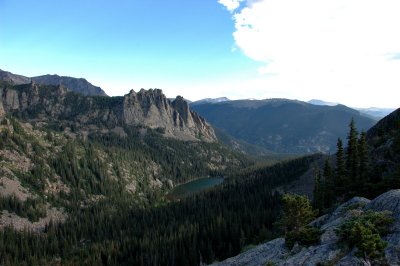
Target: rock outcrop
x=328 y=252
x=390 y=201
x=151 y=108
x=146 y=108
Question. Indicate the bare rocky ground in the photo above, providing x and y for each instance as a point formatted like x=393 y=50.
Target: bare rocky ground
x=13 y=161
x=9 y=187
x=328 y=252
x=19 y=223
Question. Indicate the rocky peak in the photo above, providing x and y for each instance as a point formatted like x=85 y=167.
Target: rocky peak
x=182 y=107
x=151 y=108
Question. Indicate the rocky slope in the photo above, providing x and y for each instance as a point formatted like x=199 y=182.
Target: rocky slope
x=92 y=113
x=328 y=251
x=13 y=78
x=78 y=85
x=384 y=140
x=284 y=126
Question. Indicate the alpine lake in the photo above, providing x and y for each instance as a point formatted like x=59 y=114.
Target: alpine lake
x=183 y=190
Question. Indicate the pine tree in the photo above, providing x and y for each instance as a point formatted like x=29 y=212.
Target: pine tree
x=297 y=212
x=340 y=167
x=363 y=157
x=352 y=153
x=329 y=185
x=318 y=192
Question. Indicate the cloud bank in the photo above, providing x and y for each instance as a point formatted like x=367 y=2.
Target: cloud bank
x=325 y=48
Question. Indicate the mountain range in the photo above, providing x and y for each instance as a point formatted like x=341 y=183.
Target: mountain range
x=373 y=112
x=283 y=126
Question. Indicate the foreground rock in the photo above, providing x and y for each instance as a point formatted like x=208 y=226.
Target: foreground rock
x=328 y=251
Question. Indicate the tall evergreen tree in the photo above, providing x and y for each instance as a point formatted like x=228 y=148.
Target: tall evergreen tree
x=363 y=157
x=328 y=191
x=352 y=152
x=340 y=167
x=318 y=194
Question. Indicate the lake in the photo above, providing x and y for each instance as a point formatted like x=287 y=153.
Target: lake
x=194 y=186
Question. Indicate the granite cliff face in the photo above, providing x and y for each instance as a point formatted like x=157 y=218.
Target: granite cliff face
x=328 y=251
x=151 y=108
x=84 y=113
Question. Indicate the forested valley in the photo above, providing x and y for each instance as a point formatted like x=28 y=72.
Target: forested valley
x=106 y=224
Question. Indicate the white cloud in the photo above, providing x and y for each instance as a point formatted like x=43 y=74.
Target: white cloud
x=231 y=5
x=333 y=49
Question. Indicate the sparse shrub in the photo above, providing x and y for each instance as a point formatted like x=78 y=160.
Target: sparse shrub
x=365 y=233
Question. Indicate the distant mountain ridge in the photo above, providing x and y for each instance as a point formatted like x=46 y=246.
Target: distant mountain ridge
x=373 y=112
x=210 y=100
x=376 y=112
x=78 y=85
x=282 y=125
x=321 y=102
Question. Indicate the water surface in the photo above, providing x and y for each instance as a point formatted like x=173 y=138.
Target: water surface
x=194 y=186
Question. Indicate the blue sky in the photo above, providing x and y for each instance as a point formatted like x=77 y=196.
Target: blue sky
x=207 y=48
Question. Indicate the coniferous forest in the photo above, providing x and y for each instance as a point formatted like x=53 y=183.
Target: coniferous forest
x=107 y=225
